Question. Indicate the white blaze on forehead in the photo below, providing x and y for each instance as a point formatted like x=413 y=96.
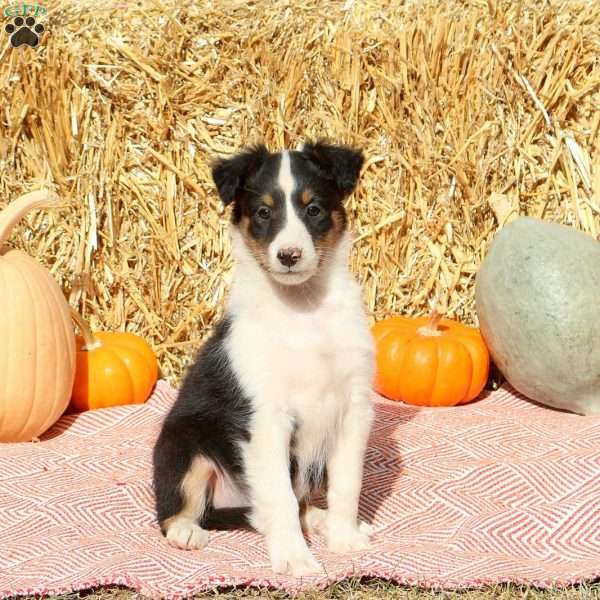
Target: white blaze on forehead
x=285 y=180
x=293 y=233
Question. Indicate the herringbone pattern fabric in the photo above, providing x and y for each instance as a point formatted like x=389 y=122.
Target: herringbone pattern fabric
x=499 y=490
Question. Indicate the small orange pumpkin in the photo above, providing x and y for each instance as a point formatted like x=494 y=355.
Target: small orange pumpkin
x=112 y=369
x=429 y=361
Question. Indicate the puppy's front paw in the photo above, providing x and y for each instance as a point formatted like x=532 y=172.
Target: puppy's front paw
x=347 y=538
x=293 y=559
x=187 y=535
x=316 y=520
x=365 y=528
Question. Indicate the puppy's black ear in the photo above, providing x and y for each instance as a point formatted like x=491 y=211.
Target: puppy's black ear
x=340 y=163
x=230 y=174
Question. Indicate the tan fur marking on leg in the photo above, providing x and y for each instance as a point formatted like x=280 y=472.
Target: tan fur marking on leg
x=193 y=488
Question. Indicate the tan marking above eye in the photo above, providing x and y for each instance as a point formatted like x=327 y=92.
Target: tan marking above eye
x=268 y=200
x=307 y=197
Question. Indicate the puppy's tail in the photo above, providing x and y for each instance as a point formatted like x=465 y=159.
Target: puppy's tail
x=227 y=518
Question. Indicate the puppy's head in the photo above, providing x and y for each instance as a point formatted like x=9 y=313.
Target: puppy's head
x=288 y=206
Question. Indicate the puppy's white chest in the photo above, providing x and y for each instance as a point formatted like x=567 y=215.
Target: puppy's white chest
x=295 y=353
x=306 y=352
x=292 y=360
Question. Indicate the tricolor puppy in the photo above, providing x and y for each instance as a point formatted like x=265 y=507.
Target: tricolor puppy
x=277 y=401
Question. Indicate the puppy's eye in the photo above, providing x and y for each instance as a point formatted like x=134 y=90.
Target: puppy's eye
x=313 y=210
x=264 y=212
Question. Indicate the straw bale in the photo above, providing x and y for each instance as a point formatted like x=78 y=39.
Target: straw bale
x=455 y=103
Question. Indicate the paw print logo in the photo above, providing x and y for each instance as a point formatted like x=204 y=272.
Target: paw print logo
x=24 y=31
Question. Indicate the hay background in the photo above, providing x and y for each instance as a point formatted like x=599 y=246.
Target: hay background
x=455 y=104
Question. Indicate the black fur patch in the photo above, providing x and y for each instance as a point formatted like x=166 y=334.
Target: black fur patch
x=227 y=518
x=232 y=175
x=338 y=164
x=327 y=199
x=210 y=417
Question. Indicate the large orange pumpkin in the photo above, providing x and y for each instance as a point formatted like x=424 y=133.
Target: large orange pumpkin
x=429 y=361
x=37 y=347
x=113 y=368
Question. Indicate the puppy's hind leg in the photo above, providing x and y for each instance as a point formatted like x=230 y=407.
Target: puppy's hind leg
x=182 y=529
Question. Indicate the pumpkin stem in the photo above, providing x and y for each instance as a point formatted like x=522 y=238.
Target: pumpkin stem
x=431 y=327
x=90 y=342
x=16 y=210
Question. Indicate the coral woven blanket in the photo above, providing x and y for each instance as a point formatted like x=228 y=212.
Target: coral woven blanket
x=499 y=490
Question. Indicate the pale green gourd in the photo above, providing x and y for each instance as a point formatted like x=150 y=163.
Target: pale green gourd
x=538 y=303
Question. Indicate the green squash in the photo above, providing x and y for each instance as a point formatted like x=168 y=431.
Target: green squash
x=538 y=302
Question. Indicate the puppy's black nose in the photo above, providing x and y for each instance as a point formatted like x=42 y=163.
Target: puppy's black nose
x=288 y=257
